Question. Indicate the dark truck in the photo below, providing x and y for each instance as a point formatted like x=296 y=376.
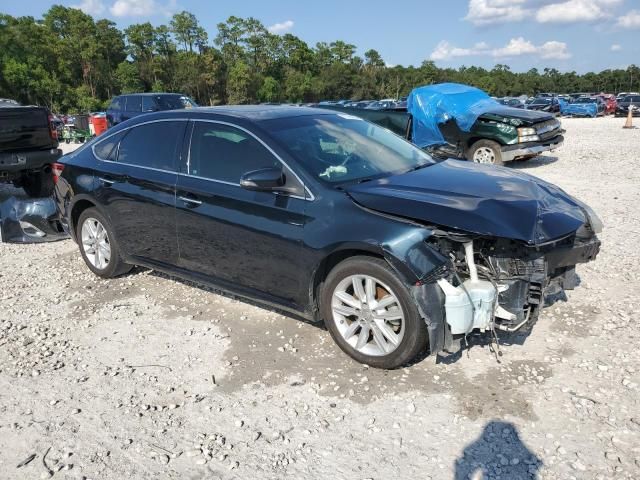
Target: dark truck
x=458 y=121
x=28 y=147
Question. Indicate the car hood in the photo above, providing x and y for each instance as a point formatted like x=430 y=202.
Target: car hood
x=474 y=198
x=524 y=116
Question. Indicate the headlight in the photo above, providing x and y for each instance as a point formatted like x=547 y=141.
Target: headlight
x=594 y=220
x=523 y=132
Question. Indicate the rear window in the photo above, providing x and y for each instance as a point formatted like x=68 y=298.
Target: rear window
x=152 y=145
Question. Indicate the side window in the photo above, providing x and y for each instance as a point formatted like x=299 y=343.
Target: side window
x=153 y=145
x=116 y=104
x=222 y=152
x=134 y=103
x=107 y=148
x=148 y=105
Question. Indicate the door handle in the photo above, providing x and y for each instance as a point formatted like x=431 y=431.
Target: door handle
x=191 y=202
x=107 y=182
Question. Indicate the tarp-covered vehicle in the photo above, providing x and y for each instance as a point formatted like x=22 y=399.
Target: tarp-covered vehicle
x=450 y=120
x=584 y=107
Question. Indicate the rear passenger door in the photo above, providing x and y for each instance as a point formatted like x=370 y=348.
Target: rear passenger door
x=246 y=238
x=137 y=188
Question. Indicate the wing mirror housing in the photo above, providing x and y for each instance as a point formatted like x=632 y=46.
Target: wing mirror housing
x=264 y=180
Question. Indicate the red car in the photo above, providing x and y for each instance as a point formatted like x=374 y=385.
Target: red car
x=610 y=103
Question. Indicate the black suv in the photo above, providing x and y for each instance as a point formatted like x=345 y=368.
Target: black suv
x=125 y=107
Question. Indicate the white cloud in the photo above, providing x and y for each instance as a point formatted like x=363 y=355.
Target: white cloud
x=572 y=11
x=279 y=28
x=630 y=20
x=552 y=50
x=141 y=8
x=91 y=7
x=616 y=48
x=485 y=12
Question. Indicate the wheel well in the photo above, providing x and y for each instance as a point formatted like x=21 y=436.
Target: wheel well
x=327 y=264
x=79 y=207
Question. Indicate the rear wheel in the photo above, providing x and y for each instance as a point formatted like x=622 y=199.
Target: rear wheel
x=98 y=246
x=485 y=151
x=38 y=184
x=371 y=314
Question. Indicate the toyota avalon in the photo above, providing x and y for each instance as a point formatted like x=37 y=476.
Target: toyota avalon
x=329 y=216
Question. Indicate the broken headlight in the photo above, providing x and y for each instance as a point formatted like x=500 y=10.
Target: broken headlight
x=594 y=221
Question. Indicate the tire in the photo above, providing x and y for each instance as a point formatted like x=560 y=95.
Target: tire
x=485 y=151
x=105 y=269
x=38 y=184
x=411 y=331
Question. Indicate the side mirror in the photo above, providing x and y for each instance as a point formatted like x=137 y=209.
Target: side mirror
x=263 y=180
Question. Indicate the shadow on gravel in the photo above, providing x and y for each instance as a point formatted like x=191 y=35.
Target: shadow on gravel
x=534 y=162
x=497 y=453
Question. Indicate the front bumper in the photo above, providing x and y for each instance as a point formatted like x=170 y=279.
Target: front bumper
x=511 y=152
x=13 y=163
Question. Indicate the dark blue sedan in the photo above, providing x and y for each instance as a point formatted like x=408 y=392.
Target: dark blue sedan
x=329 y=216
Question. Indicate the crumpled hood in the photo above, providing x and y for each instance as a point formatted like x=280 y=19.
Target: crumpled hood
x=481 y=199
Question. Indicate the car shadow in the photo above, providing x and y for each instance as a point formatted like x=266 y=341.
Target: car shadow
x=498 y=452
x=534 y=162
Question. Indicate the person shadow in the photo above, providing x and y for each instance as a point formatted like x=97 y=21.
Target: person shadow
x=497 y=453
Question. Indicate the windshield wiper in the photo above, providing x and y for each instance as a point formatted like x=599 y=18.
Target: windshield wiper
x=418 y=167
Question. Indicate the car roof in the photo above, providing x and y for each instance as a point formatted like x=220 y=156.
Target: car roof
x=151 y=94
x=258 y=112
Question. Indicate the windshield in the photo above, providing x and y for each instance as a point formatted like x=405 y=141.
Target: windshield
x=631 y=98
x=586 y=100
x=175 y=102
x=542 y=101
x=342 y=148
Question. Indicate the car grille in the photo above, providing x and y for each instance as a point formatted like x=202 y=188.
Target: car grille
x=548 y=129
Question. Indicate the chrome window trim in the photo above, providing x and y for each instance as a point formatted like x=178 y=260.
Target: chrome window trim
x=233 y=125
x=93 y=147
x=309 y=199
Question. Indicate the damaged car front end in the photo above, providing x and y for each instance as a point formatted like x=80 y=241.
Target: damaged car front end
x=501 y=245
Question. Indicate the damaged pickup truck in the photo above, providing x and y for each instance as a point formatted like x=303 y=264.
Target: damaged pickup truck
x=451 y=120
x=329 y=216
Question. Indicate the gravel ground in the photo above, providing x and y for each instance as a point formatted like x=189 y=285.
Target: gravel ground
x=148 y=376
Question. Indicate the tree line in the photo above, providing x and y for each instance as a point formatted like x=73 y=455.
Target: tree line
x=70 y=62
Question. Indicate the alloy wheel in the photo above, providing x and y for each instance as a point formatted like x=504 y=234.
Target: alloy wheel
x=95 y=243
x=368 y=315
x=484 y=155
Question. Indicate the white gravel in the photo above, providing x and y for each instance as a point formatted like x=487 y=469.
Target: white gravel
x=147 y=376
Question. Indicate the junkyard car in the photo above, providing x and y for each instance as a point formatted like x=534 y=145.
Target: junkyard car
x=545 y=104
x=584 y=107
x=329 y=216
x=125 y=107
x=458 y=121
x=629 y=102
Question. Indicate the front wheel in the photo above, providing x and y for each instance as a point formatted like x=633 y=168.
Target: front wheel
x=97 y=244
x=371 y=315
x=485 y=151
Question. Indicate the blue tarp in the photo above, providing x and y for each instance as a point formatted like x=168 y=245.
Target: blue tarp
x=434 y=105
x=580 y=109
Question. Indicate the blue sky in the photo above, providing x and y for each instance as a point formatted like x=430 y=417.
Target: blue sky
x=581 y=35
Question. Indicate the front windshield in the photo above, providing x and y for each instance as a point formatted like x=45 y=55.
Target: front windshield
x=632 y=98
x=342 y=148
x=542 y=101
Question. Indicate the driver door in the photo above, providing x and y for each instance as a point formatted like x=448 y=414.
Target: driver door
x=249 y=239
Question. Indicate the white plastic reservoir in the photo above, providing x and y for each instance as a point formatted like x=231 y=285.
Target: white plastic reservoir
x=470 y=307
